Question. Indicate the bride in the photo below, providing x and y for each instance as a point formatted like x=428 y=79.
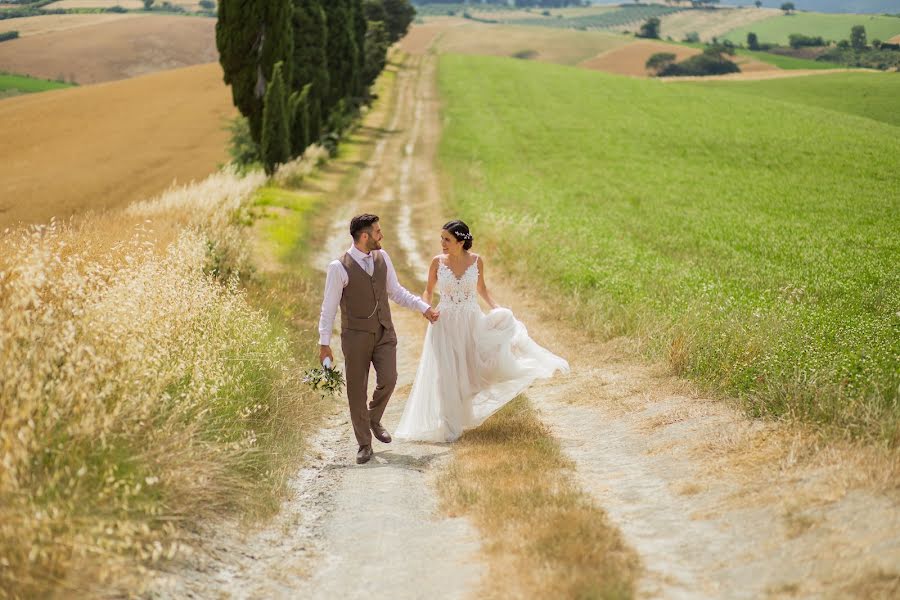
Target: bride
x=472 y=363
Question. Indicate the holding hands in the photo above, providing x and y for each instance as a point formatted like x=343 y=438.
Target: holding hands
x=432 y=315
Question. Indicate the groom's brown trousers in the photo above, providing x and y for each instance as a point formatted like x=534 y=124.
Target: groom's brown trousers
x=362 y=349
x=367 y=338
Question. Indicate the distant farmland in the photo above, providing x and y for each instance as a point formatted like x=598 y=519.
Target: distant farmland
x=107 y=51
x=831 y=27
x=99 y=147
x=561 y=46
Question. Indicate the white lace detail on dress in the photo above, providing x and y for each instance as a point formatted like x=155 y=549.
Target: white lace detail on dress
x=457 y=293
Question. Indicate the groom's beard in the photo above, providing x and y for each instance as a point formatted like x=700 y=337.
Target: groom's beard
x=373 y=245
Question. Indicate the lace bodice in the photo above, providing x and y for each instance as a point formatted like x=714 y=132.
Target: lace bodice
x=457 y=292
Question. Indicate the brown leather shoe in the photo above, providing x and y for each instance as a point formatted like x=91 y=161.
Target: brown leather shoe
x=364 y=454
x=381 y=434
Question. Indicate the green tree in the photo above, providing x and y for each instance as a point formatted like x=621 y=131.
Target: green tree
x=650 y=28
x=400 y=13
x=276 y=136
x=858 y=37
x=253 y=35
x=758 y=3
x=376 y=46
x=788 y=7
x=148 y=4
x=752 y=41
x=341 y=52
x=374 y=10
x=360 y=25
x=659 y=61
x=310 y=63
x=243 y=150
x=298 y=105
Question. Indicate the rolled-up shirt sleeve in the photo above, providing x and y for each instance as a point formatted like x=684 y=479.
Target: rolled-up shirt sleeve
x=400 y=294
x=334 y=287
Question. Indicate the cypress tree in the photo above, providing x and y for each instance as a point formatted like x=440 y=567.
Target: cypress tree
x=310 y=60
x=341 y=51
x=377 y=43
x=251 y=36
x=276 y=142
x=300 y=130
x=359 y=38
x=400 y=14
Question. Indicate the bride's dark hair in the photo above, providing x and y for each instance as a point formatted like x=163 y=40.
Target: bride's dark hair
x=460 y=231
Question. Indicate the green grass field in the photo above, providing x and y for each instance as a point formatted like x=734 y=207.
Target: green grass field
x=751 y=242
x=872 y=95
x=788 y=62
x=830 y=26
x=11 y=85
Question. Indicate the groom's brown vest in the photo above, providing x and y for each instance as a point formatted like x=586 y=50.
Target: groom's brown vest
x=364 y=303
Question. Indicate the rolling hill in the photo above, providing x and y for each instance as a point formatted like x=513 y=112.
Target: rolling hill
x=95 y=52
x=102 y=146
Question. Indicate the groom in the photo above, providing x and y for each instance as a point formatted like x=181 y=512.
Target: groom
x=360 y=282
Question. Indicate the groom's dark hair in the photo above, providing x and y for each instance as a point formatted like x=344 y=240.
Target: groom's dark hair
x=361 y=223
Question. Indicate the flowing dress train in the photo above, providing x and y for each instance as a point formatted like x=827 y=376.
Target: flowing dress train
x=472 y=363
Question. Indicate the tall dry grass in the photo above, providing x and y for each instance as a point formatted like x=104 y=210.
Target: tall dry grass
x=139 y=389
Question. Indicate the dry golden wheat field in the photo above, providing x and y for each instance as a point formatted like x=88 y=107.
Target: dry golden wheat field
x=104 y=146
x=93 y=52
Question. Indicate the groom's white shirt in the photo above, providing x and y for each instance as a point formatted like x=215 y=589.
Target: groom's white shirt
x=336 y=280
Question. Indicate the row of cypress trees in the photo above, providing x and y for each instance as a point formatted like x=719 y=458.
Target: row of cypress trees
x=296 y=67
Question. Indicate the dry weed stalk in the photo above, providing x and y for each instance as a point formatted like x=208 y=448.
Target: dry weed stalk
x=138 y=388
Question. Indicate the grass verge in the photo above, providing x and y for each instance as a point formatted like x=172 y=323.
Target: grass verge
x=543 y=536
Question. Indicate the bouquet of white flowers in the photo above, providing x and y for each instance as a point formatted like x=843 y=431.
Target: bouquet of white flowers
x=325 y=380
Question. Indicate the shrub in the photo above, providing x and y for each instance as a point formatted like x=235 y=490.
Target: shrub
x=700 y=65
x=798 y=40
x=207 y=4
x=692 y=38
x=659 y=61
x=8 y=35
x=718 y=49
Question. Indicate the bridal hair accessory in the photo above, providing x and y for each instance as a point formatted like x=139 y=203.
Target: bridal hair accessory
x=462 y=236
x=325 y=380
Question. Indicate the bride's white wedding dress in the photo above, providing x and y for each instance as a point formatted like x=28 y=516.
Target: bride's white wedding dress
x=472 y=363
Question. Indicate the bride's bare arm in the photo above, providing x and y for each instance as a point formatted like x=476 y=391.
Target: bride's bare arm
x=482 y=286
x=432 y=280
